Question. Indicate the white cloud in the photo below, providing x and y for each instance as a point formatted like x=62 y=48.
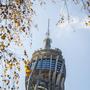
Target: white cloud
x=75 y=22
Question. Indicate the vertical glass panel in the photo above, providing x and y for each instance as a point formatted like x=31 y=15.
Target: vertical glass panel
x=32 y=66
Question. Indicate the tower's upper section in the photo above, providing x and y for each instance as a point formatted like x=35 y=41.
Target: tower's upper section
x=47 y=40
x=47 y=52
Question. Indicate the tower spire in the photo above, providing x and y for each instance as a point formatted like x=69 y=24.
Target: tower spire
x=47 y=39
x=48 y=33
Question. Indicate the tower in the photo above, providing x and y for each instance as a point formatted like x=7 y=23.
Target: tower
x=46 y=69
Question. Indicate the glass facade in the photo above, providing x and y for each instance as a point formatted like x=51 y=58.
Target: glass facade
x=45 y=64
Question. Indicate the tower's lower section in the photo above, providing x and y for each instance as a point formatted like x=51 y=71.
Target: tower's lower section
x=47 y=71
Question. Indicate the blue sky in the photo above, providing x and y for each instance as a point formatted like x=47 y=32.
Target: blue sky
x=73 y=39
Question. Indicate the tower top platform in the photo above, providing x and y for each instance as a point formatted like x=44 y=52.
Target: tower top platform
x=46 y=53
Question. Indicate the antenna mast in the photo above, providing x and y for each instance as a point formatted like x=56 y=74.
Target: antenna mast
x=47 y=39
x=48 y=33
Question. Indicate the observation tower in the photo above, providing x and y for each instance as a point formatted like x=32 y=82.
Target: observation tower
x=46 y=70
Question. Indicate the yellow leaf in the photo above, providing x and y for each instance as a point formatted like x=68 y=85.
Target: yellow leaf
x=19 y=1
x=2 y=46
x=3 y=36
x=17 y=23
x=87 y=23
